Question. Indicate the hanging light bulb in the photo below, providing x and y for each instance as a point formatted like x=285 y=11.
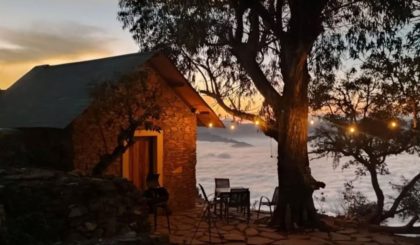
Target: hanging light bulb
x=393 y=124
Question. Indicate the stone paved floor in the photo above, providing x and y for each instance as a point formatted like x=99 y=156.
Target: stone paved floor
x=183 y=225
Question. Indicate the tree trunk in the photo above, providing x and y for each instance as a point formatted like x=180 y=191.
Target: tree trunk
x=295 y=206
x=377 y=216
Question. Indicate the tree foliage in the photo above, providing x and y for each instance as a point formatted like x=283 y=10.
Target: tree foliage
x=208 y=40
x=367 y=114
x=242 y=52
x=124 y=105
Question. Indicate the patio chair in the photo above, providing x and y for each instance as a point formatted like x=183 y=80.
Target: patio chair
x=206 y=216
x=221 y=200
x=268 y=202
x=158 y=198
x=222 y=183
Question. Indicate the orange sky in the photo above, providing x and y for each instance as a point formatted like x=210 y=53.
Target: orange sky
x=53 y=32
x=37 y=32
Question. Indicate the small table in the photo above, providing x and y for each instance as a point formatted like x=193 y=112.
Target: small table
x=225 y=194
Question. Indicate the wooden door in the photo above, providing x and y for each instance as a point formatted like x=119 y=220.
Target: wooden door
x=142 y=160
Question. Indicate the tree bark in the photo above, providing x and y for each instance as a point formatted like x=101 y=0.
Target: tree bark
x=295 y=207
x=377 y=216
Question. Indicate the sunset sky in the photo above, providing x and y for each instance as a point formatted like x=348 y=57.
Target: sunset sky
x=36 y=32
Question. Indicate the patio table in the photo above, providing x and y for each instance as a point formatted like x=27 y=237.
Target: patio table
x=226 y=194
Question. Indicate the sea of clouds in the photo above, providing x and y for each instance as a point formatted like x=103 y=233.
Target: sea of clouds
x=248 y=159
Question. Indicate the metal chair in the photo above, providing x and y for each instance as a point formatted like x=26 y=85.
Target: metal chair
x=222 y=183
x=158 y=198
x=268 y=202
x=207 y=216
x=221 y=200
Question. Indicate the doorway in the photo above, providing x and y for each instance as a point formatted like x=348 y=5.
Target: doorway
x=142 y=158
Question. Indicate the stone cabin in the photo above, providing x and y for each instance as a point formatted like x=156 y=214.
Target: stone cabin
x=50 y=107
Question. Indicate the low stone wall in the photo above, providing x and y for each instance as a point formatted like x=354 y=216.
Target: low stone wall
x=46 y=207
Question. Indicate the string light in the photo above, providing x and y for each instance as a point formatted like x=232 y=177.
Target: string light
x=312 y=122
x=393 y=124
x=210 y=125
x=352 y=129
x=232 y=126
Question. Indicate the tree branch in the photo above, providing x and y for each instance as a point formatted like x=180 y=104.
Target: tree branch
x=391 y=212
x=263 y=125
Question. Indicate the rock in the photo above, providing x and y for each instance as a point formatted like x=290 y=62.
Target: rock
x=347 y=231
x=196 y=242
x=130 y=234
x=383 y=239
x=322 y=235
x=213 y=239
x=234 y=237
x=299 y=242
x=64 y=207
x=90 y=226
x=320 y=240
x=227 y=227
x=299 y=237
x=251 y=231
x=242 y=226
x=176 y=239
x=75 y=212
x=350 y=243
x=257 y=240
x=273 y=235
x=339 y=237
x=362 y=238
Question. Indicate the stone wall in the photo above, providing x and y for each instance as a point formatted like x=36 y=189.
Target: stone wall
x=36 y=147
x=91 y=139
x=52 y=207
x=179 y=142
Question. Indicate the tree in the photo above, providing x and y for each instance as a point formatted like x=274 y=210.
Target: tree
x=124 y=105
x=374 y=101
x=366 y=129
x=262 y=48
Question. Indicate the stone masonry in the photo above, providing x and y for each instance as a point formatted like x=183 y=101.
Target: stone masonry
x=91 y=139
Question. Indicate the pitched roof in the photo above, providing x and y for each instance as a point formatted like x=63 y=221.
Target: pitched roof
x=53 y=96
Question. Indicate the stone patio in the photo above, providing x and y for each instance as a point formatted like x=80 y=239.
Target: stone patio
x=183 y=225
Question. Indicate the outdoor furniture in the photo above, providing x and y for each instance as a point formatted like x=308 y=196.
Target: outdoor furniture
x=222 y=183
x=268 y=202
x=218 y=198
x=207 y=216
x=158 y=198
x=238 y=197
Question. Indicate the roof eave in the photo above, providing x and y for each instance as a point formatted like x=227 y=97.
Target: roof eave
x=206 y=117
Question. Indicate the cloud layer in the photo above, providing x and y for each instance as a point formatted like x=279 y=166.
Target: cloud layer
x=45 y=42
x=58 y=40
